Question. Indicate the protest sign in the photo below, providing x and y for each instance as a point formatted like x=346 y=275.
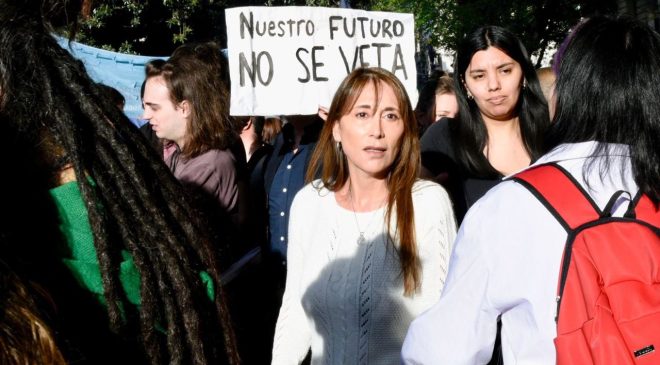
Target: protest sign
x=290 y=60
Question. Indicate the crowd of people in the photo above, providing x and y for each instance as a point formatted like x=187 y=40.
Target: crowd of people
x=376 y=232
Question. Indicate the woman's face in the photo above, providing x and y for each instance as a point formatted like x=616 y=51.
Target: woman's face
x=445 y=106
x=494 y=80
x=370 y=133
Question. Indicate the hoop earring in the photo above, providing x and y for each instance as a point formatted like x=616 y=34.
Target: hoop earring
x=469 y=94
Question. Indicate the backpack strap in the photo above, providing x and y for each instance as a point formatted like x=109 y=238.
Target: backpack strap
x=645 y=210
x=560 y=194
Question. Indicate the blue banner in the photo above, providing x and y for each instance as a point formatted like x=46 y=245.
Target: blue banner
x=122 y=71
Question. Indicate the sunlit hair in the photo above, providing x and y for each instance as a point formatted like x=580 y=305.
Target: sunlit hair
x=470 y=133
x=445 y=86
x=333 y=166
x=608 y=90
x=194 y=73
x=25 y=338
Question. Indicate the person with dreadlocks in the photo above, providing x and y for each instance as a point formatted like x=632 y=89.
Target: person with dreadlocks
x=127 y=263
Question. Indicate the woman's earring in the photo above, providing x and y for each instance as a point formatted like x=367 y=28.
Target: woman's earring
x=469 y=94
x=524 y=85
x=338 y=147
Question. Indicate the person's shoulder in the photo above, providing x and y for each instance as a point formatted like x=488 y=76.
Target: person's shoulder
x=428 y=192
x=438 y=136
x=218 y=158
x=508 y=200
x=423 y=186
x=212 y=162
x=312 y=196
x=440 y=129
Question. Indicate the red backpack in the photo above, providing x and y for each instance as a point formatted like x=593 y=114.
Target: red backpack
x=608 y=300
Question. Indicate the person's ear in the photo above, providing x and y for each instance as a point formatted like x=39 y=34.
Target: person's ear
x=186 y=108
x=248 y=125
x=323 y=113
x=336 y=134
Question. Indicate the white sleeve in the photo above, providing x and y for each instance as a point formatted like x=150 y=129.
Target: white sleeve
x=461 y=327
x=437 y=235
x=292 y=332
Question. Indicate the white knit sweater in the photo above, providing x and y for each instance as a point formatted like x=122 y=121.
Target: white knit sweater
x=345 y=300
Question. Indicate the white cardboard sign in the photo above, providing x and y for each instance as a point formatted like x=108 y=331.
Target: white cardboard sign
x=290 y=60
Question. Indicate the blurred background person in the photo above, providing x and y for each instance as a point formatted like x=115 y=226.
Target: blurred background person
x=257 y=154
x=547 y=80
x=437 y=100
x=272 y=127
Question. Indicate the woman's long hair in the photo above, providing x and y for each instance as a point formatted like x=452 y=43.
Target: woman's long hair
x=608 y=91
x=54 y=115
x=469 y=131
x=333 y=166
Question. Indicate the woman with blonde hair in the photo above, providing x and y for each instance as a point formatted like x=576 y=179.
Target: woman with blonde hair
x=369 y=242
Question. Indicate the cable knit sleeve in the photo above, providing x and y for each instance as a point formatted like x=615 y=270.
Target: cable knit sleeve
x=461 y=327
x=293 y=332
x=436 y=231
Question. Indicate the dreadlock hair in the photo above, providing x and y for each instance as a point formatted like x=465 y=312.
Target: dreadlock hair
x=53 y=112
x=329 y=160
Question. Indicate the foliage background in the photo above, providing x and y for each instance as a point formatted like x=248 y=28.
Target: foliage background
x=157 y=27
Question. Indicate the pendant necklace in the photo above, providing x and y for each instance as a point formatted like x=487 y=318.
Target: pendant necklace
x=361 y=239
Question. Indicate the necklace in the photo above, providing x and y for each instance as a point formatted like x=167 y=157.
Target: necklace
x=361 y=239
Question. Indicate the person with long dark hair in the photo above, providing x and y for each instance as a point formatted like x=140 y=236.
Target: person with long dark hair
x=501 y=120
x=369 y=242
x=95 y=217
x=605 y=135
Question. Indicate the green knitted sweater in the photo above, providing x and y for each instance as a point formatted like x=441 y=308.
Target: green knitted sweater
x=80 y=254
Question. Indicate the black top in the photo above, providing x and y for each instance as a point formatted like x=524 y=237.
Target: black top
x=439 y=158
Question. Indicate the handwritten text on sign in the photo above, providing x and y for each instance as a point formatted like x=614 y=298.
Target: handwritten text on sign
x=290 y=60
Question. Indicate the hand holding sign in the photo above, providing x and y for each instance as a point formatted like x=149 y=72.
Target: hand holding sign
x=290 y=60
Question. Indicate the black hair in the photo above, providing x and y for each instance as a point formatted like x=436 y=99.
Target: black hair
x=425 y=108
x=469 y=132
x=54 y=115
x=113 y=94
x=607 y=91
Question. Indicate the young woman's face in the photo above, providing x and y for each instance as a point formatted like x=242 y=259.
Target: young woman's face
x=445 y=106
x=370 y=133
x=494 y=80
